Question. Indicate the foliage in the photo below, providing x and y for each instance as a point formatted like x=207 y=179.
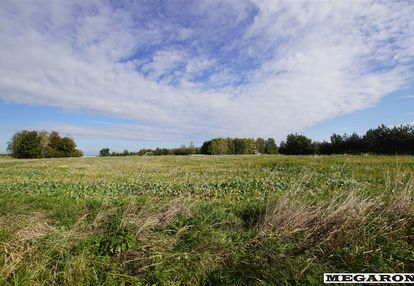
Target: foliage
x=297 y=145
x=116 y=242
x=25 y=144
x=115 y=239
x=381 y=140
x=33 y=144
x=226 y=146
x=394 y=140
x=183 y=150
x=261 y=145
x=105 y=152
x=270 y=146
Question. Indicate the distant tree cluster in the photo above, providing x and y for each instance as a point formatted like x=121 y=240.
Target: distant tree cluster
x=296 y=144
x=183 y=150
x=33 y=144
x=223 y=146
x=381 y=140
x=106 y=152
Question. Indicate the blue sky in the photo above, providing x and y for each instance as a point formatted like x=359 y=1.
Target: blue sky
x=135 y=74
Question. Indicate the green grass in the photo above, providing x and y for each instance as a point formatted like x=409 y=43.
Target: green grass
x=214 y=220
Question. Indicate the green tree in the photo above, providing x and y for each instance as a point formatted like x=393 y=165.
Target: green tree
x=61 y=147
x=219 y=146
x=260 y=145
x=105 y=152
x=337 y=143
x=297 y=145
x=353 y=144
x=244 y=145
x=390 y=140
x=270 y=146
x=53 y=146
x=205 y=148
x=67 y=147
x=324 y=148
x=25 y=144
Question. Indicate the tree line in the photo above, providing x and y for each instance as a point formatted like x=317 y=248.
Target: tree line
x=217 y=146
x=183 y=150
x=223 y=146
x=380 y=140
x=33 y=144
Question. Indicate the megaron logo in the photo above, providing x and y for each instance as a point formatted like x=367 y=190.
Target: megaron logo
x=407 y=278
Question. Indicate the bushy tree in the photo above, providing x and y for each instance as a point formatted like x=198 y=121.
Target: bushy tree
x=353 y=144
x=297 y=145
x=240 y=146
x=68 y=147
x=33 y=144
x=219 y=146
x=61 y=147
x=270 y=146
x=324 y=148
x=260 y=145
x=244 y=145
x=205 y=148
x=25 y=144
x=105 y=152
x=337 y=144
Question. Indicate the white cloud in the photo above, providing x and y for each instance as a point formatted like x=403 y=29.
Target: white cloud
x=117 y=131
x=294 y=64
x=164 y=62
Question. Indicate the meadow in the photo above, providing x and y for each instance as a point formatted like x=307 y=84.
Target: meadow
x=204 y=220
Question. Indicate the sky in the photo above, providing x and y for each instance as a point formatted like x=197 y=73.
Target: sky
x=140 y=74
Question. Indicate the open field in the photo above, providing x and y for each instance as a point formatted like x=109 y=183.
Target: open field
x=213 y=220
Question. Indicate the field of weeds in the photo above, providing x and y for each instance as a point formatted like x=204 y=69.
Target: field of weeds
x=213 y=220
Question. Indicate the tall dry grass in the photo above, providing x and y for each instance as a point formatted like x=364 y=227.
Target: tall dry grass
x=346 y=216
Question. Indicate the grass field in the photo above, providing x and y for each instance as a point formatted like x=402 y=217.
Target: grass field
x=216 y=220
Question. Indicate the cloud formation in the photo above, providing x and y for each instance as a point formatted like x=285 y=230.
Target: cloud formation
x=217 y=68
